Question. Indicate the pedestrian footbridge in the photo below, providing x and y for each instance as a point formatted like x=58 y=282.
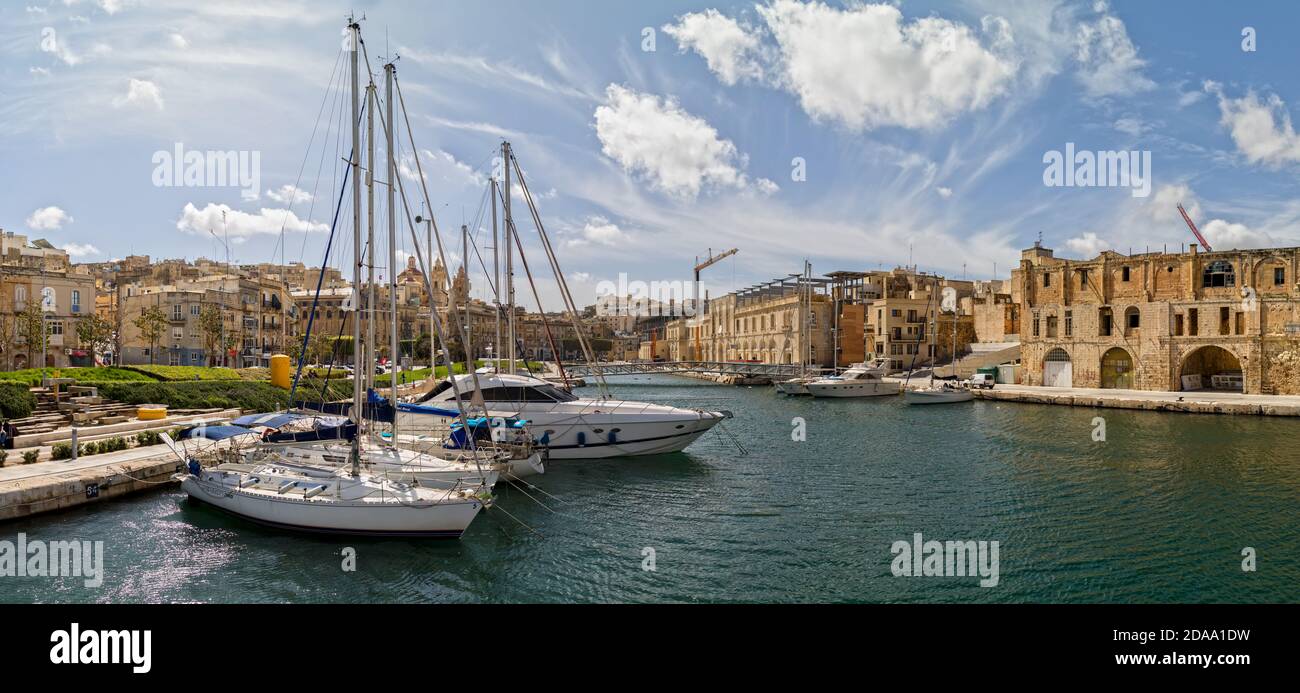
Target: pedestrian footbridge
x=742 y=368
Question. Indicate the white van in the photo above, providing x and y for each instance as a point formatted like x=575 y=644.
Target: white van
x=982 y=381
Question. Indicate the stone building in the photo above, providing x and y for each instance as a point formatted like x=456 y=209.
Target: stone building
x=1226 y=320
x=38 y=274
x=906 y=324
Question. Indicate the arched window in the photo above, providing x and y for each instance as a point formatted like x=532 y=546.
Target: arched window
x=1132 y=319
x=1219 y=273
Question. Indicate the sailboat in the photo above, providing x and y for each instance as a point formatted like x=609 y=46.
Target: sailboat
x=799 y=385
x=565 y=425
x=280 y=491
x=947 y=391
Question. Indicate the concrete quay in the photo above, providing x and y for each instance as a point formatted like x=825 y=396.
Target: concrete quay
x=1192 y=402
x=31 y=489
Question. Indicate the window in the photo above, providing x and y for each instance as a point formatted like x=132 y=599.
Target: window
x=1036 y=325
x=174 y=358
x=56 y=328
x=1241 y=323
x=195 y=357
x=1051 y=327
x=1225 y=327
x=1218 y=273
x=1125 y=274
x=1105 y=322
x=1047 y=279
x=76 y=301
x=911 y=315
x=177 y=313
x=178 y=334
x=196 y=309
x=1069 y=323
x=1193 y=322
x=1178 y=325
x=894 y=312
x=20 y=297
x=1132 y=318
x=1083 y=277
x=1279 y=276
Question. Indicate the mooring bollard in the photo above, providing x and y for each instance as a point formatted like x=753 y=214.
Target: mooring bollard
x=74 y=444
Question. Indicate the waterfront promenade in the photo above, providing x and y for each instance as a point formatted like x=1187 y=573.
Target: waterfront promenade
x=1197 y=402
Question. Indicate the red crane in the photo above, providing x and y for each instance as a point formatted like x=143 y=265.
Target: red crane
x=1196 y=232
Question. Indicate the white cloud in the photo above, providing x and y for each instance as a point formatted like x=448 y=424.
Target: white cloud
x=599 y=231
x=141 y=92
x=866 y=67
x=1087 y=246
x=179 y=41
x=1108 y=61
x=39 y=71
x=1162 y=207
x=48 y=219
x=289 y=195
x=110 y=6
x=80 y=249
x=677 y=152
x=440 y=167
x=731 y=51
x=1225 y=235
x=944 y=192
x=1261 y=129
x=1130 y=126
x=239 y=224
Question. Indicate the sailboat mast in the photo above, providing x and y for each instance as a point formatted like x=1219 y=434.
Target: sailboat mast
x=356 y=245
x=371 y=349
x=510 y=272
x=433 y=342
x=464 y=245
x=393 y=344
x=496 y=272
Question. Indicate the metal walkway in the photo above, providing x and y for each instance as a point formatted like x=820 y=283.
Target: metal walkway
x=783 y=370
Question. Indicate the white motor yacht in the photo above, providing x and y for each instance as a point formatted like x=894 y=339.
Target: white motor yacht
x=568 y=426
x=860 y=380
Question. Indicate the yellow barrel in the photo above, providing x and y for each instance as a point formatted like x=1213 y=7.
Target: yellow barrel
x=280 y=371
x=151 y=412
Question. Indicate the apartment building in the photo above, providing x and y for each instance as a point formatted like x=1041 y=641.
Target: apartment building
x=38 y=274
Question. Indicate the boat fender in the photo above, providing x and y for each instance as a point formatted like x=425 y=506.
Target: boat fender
x=582 y=439
x=612 y=437
x=545 y=439
x=195 y=467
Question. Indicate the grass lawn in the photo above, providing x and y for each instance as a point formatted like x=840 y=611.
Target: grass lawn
x=32 y=376
x=186 y=373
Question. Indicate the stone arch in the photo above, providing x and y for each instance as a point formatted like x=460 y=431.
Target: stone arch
x=1261 y=274
x=1132 y=321
x=1058 y=368
x=1118 y=369
x=1210 y=367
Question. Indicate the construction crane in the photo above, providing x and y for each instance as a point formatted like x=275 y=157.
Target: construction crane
x=699 y=267
x=1190 y=224
x=712 y=260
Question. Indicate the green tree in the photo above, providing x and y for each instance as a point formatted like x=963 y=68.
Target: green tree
x=95 y=333
x=210 y=324
x=31 y=326
x=152 y=323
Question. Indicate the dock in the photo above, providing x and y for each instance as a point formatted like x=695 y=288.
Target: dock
x=1191 y=402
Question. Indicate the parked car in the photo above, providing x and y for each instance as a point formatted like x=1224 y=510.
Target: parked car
x=983 y=381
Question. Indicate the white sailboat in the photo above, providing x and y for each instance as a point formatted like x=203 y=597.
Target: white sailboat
x=946 y=391
x=799 y=385
x=279 y=492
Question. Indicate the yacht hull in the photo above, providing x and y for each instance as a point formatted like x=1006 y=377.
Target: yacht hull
x=935 y=397
x=368 y=518
x=793 y=387
x=849 y=388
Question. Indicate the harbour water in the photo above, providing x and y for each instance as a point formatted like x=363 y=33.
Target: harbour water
x=1159 y=511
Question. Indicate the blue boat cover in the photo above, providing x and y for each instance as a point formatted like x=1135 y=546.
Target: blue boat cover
x=217 y=432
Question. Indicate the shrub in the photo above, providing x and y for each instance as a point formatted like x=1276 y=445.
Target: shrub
x=4 y=455
x=112 y=444
x=186 y=373
x=33 y=376
x=61 y=451
x=147 y=438
x=88 y=449
x=16 y=400
x=30 y=456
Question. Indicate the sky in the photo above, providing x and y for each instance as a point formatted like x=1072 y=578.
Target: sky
x=856 y=135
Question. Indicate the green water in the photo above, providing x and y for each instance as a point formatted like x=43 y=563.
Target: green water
x=1158 y=512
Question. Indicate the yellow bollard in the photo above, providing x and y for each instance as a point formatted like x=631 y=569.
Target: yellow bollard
x=280 y=371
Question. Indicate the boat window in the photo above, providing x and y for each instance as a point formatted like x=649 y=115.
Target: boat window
x=556 y=393
x=437 y=390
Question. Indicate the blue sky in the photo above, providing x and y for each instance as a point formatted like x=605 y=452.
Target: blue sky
x=921 y=126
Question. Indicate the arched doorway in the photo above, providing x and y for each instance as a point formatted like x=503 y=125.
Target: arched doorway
x=1211 y=368
x=1117 y=369
x=1058 y=371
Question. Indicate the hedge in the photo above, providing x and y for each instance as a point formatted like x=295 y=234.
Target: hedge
x=16 y=401
x=220 y=394
x=33 y=376
x=186 y=373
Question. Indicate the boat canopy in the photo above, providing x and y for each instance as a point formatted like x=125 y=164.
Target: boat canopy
x=216 y=432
